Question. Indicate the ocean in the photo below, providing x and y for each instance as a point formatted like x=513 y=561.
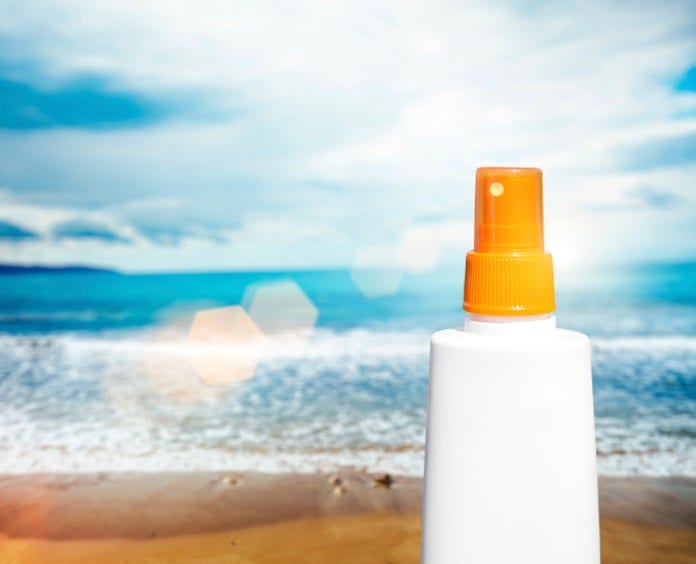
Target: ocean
x=92 y=375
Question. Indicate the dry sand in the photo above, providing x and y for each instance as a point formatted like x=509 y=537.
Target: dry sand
x=247 y=517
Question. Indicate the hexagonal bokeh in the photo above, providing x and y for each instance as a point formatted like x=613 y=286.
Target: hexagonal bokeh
x=281 y=309
x=376 y=271
x=419 y=251
x=224 y=345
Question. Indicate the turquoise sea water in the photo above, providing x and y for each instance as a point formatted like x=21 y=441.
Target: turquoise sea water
x=79 y=389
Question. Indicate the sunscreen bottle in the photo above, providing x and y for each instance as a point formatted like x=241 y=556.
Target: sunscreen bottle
x=510 y=472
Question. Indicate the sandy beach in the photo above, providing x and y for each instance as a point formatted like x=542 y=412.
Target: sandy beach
x=268 y=518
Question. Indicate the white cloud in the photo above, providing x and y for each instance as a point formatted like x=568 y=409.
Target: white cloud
x=347 y=124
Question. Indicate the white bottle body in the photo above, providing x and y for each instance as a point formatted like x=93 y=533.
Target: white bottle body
x=510 y=455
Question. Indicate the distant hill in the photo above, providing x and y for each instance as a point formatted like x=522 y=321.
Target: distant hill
x=41 y=269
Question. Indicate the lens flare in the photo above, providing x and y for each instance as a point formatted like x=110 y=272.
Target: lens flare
x=419 y=251
x=281 y=310
x=377 y=271
x=223 y=345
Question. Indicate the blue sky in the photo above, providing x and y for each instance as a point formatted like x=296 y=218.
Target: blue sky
x=223 y=135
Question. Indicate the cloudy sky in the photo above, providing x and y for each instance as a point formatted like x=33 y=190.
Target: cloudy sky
x=233 y=135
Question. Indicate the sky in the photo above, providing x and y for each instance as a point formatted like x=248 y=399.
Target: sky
x=182 y=135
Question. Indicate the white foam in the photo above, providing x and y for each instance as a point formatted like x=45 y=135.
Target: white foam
x=350 y=398
x=647 y=343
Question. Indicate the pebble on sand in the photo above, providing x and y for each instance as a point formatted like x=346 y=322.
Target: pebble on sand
x=230 y=481
x=382 y=481
x=335 y=480
x=339 y=490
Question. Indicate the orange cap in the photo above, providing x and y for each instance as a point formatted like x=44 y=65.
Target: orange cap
x=508 y=272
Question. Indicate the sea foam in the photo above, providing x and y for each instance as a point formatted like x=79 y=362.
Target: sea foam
x=130 y=401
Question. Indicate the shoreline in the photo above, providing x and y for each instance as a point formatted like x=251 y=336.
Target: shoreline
x=72 y=506
x=256 y=517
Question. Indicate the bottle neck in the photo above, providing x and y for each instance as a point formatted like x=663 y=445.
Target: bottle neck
x=509 y=325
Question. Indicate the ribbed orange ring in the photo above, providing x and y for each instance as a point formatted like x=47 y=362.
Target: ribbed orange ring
x=509 y=284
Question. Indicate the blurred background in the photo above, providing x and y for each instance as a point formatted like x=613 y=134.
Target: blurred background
x=274 y=202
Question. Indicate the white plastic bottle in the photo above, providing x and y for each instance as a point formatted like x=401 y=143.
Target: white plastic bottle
x=510 y=472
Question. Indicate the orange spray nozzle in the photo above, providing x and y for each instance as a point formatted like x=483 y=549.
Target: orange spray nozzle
x=508 y=272
x=509 y=210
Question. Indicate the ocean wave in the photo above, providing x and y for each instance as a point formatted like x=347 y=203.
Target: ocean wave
x=121 y=454
x=85 y=315
x=647 y=343
x=132 y=401
x=323 y=343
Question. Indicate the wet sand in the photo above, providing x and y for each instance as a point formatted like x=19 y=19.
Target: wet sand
x=268 y=518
